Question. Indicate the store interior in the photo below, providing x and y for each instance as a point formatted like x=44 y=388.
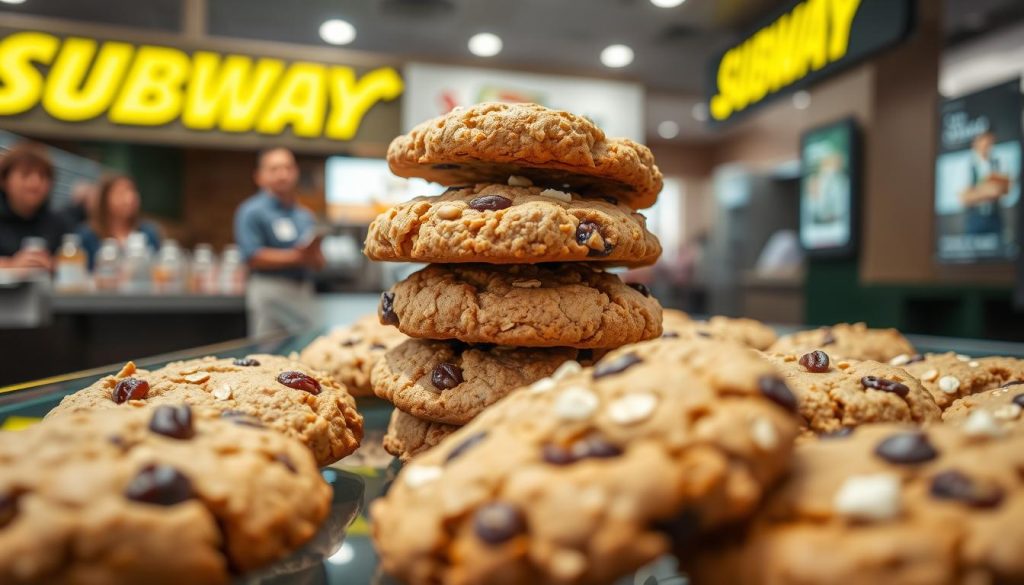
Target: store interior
x=729 y=217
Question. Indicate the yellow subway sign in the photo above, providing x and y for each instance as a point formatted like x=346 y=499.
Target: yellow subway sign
x=76 y=79
x=805 y=42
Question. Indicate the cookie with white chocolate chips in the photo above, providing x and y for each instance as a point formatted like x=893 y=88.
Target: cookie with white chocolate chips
x=835 y=394
x=887 y=504
x=948 y=376
x=748 y=332
x=1001 y=407
x=588 y=477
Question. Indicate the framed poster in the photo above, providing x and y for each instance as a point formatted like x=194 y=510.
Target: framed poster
x=829 y=189
x=977 y=175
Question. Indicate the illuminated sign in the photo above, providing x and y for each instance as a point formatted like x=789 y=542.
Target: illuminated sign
x=78 y=79
x=807 y=41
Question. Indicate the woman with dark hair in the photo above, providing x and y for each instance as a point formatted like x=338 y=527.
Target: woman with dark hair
x=116 y=216
x=26 y=177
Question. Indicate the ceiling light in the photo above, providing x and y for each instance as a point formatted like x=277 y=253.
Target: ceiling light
x=668 y=129
x=801 y=100
x=337 y=32
x=699 y=111
x=13 y=1
x=616 y=56
x=667 y=3
x=485 y=44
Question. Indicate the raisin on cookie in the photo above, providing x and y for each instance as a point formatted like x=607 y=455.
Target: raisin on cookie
x=487 y=143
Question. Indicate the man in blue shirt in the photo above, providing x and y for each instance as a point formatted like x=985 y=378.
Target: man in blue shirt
x=277 y=238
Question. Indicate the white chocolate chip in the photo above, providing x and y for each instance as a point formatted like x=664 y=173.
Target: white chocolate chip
x=763 y=433
x=575 y=403
x=949 y=384
x=980 y=424
x=900 y=360
x=197 y=378
x=449 y=211
x=565 y=370
x=419 y=475
x=974 y=363
x=507 y=326
x=930 y=375
x=1007 y=412
x=632 y=408
x=568 y=565
x=543 y=385
x=222 y=392
x=963 y=358
x=556 y=194
x=869 y=497
x=519 y=181
x=531 y=283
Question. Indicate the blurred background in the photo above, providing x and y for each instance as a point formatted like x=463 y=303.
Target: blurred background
x=825 y=160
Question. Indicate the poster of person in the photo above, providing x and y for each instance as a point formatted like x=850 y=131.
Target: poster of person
x=828 y=163
x=977 y=175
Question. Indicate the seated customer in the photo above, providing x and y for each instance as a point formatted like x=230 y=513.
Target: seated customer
x=116 y=216
x=26 y=177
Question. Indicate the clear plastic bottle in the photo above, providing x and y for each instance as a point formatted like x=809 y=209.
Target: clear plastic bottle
x=106 y=270
x=232 y=271
x=203 y=273
x=137 y=265
x=71 y=274
x=169 y=269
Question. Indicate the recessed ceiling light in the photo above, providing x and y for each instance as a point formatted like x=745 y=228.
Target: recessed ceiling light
x=667 y=3
x=13 y=1
x=699 y=111
x=668 y=129
x=337 y=32
x=485 y=44
x=616 y=56
x=801 y=100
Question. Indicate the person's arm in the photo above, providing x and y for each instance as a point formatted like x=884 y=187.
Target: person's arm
x=28 y=259
x=249 y=238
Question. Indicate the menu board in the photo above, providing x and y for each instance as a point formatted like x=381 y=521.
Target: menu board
x=829 y=169
x=977 y=175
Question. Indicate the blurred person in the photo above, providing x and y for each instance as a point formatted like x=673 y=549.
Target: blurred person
x=26 y=178
x=116 y=216
x=84 y=195
x=278 y=240
x=987 y=186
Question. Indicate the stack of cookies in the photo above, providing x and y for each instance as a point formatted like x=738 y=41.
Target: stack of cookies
x=539 y=204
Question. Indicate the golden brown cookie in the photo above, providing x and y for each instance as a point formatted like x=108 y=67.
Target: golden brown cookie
x=838 y=394
x=748 y=332
x=949 y=376
x=269 y=390
x=586 y=478
x=528 y=305
x=1003 y=407
x=408 y=436
x=887 y=504
x=151 y=495
x=499 y=224
x=452 y=382
x=844 y=340
x=349 y=353
x=488 y=143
